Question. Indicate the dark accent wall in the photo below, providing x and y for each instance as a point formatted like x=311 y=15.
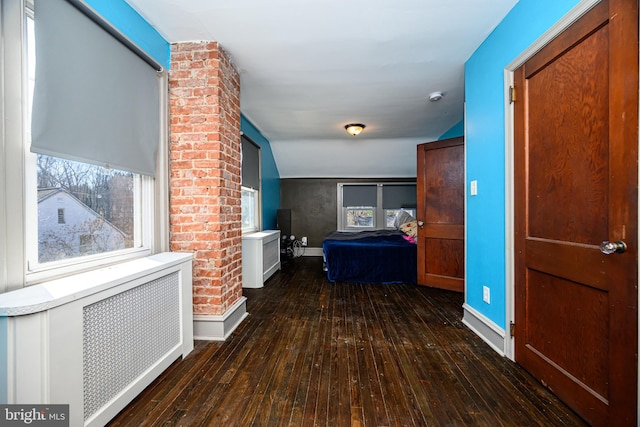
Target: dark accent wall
x=313 y=204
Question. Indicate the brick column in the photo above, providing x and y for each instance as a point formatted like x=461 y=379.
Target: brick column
x=205 y=179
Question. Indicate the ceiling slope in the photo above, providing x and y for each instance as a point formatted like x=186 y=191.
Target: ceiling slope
x=309 y=67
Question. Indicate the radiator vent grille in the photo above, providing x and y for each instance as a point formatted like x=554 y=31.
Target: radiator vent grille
x=124 y=335
x=270 y=254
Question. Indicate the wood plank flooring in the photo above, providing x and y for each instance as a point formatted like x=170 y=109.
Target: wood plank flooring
x=313 y=353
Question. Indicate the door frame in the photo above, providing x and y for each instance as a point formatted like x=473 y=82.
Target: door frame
x=565 y=22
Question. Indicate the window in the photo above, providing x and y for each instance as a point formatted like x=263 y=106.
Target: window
x=360 y=217
x=99 y=216
x=249 y=210
x=251 y=182
x=357 y=206
x=371 y=206
x=73 y=214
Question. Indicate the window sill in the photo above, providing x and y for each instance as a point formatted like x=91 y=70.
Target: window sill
x=68 y=268
x=62 y=291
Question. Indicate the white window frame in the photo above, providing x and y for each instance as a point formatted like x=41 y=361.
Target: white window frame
x=18 y=189
x=256 y=211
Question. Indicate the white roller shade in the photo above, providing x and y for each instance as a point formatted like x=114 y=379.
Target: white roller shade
x=95 y=100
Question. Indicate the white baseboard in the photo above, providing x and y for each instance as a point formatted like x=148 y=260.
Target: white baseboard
x=308 y=251
x=218 y=328
x=485 y=328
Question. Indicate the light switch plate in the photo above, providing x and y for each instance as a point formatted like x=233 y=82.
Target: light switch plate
x=474 y=187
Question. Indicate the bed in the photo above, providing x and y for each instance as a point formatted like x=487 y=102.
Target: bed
x=378 y=256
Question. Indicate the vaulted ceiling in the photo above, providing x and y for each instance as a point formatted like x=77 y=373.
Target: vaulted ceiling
x=308 y=67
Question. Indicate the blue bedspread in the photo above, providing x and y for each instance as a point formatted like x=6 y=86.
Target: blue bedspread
x=370 y=257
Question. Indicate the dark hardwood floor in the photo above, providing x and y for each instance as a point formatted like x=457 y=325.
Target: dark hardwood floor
x=316 y=353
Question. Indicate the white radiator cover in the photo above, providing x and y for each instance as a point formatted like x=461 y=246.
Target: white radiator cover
x=97 y=339
x=260 y=257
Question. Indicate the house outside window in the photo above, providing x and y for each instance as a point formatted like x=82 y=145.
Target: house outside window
x=83 y=227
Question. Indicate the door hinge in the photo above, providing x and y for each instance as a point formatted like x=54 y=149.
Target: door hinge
x=512 y=329
x=512 y=94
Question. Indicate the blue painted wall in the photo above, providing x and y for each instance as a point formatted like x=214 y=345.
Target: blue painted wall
x=131 y=24
x=270 y=175
x=454 y=132
x=485 y=154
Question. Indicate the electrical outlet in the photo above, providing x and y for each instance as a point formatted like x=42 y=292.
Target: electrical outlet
x=486 y=294
x=304 y=241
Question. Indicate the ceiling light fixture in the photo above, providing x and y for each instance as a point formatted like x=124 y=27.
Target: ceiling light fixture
x=436 y=96
x=354 y=129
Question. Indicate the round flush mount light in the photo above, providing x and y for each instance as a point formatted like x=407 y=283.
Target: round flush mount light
x=354 y=129
x=436 y=96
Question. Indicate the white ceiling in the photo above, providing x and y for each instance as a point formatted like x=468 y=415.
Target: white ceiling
x=308 y=67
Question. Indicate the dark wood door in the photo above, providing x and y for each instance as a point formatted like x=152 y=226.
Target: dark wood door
x=576 y=139
x=440 y=188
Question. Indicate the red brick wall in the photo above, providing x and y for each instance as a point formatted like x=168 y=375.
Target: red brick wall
x=205 y=171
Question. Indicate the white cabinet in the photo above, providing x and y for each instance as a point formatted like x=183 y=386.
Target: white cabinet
x=260 y=257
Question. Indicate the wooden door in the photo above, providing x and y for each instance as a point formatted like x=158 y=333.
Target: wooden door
x=576 y=140
x=440 y=194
